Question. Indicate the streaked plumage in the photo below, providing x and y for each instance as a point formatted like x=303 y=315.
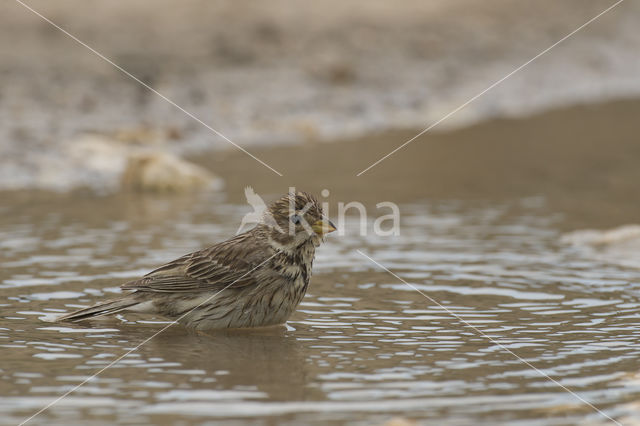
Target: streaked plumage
x=254 y=279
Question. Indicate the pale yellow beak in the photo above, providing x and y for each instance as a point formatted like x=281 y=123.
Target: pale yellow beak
x=322 y=227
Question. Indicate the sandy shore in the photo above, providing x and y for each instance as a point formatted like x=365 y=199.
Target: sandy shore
x=580 y=162
x=281 y=72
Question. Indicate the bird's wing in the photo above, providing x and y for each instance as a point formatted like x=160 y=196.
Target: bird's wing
x=232 y=263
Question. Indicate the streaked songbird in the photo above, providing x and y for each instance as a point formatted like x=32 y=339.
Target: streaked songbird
x=254 y=279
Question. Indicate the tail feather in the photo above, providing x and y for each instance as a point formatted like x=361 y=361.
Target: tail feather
x=104 y=308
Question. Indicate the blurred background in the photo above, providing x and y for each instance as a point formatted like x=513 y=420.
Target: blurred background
x=267 y=74
x=518 y=212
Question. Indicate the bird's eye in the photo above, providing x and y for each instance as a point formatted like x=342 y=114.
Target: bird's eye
x=295 y=219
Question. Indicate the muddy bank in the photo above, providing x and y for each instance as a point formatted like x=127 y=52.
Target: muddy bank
x=280 y=72
x=584 y=161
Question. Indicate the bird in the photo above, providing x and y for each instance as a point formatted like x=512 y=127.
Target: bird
x=254 y=279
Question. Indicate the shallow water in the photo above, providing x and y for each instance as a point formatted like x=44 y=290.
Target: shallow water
x=363 y=347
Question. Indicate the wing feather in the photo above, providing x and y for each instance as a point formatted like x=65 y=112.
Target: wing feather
x=229 y=263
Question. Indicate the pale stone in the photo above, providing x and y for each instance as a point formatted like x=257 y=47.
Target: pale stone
x=400 y=421
x=619 y=245
x=622 y=234
x=164 y=172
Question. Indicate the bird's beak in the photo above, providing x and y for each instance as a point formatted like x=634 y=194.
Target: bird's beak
x=322 y=227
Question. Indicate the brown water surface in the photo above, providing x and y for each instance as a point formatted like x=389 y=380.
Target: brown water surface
x=363 y=346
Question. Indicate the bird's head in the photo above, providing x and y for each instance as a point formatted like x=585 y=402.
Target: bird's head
x=295 y=219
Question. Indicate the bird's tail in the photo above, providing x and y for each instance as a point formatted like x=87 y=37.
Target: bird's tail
x=104 y=308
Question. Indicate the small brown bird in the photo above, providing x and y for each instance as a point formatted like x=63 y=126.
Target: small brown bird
x=254 y=279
